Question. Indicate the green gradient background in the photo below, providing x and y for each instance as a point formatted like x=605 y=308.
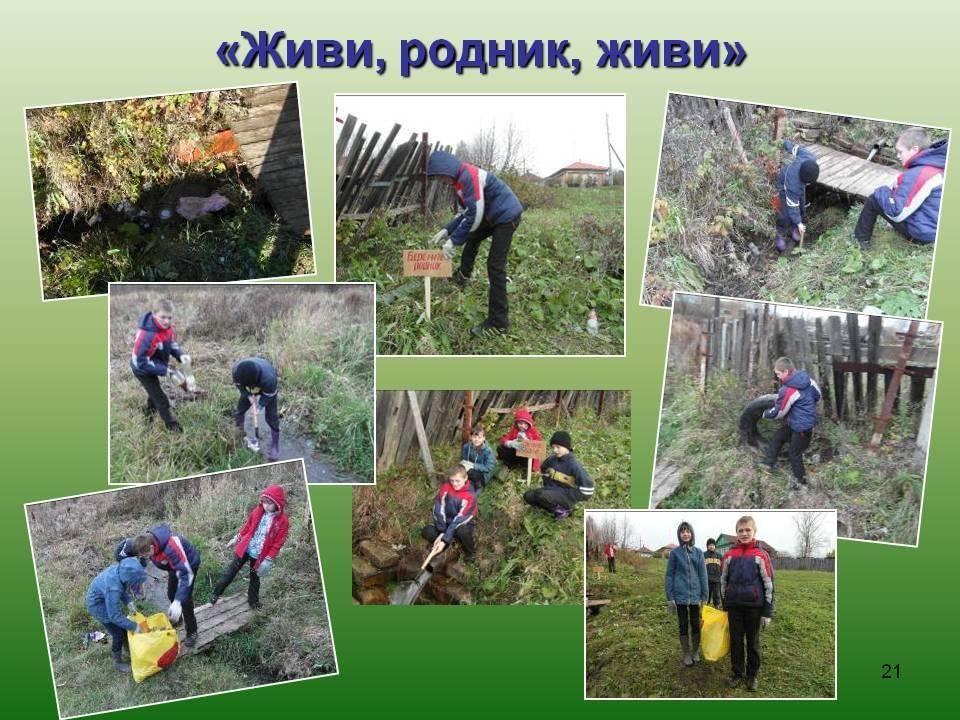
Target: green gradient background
x=871 y=60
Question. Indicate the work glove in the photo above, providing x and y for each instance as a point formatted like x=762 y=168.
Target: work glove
x=440 y=237
x=467 y=465
x=141 y=628
x=513 y=444
x=174 y=611
x=233 y=541
x=764 y=622
x=448 y=249
x=672 y=607
x=265 y=566
x=132 y=607
x=184 y=359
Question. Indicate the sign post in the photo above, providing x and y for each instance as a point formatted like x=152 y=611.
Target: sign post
x=531 y=449
x=426 y=264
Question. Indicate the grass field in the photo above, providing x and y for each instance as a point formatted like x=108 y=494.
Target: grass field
x=320 y=339
x=877 y=494
x=74 y=539
x=524 y=556
x=633 y=648
x=566 y=257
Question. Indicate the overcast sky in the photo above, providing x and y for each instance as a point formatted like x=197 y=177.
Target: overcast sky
x=557 y=130
x=659 y=527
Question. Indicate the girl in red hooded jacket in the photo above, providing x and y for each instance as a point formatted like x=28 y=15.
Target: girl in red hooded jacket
x=523 y=429
x=257 y=542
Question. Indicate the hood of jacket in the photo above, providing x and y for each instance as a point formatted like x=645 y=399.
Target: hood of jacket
x=161 y=534
x=443 y=163
x=523 y=415
x=688 y=526
x=131 y=572
x=275 y=494
x=799 y=379
x=933 y=156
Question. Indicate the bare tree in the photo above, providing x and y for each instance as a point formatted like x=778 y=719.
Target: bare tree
x=493 y=151
x=810 y=533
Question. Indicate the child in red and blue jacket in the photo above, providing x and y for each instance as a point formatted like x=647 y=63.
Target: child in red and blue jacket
x=490 y=209
x=796 y=405
x=454 y=509
x=176 y=556
x=257 y=542
x=746 y=584
x=153 y=346
x=792 y=194
x=912 y=205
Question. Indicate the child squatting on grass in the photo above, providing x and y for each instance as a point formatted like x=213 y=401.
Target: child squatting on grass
x=256 y=377
x=791 y=200
x=912 y=205
x=796 y=405
x=257 y=542
x=523 y=429
x=687 y=590
x=489 y=209
x=565 y=482
x=155 y=342
x=453 y=512
x=110 y=593
x=477 y=457
x=746 y=582
x=180 y=560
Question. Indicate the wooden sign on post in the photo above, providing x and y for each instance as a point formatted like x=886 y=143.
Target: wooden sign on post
x=426 y=264
x=531 y=449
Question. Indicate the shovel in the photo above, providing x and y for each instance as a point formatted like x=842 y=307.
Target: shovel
x=254 y=442
x=407 y=592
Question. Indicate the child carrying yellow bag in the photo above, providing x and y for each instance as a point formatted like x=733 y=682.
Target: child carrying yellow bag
x=715 y=634
x=153 y=650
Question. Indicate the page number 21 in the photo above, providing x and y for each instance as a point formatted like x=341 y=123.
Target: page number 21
x=891 y=672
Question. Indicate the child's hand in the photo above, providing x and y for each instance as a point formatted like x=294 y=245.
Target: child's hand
x=672 y=607
x=184 y=359
x=438 y=545
x=233 y=541
x=764 y=622
x=265 y=565
x=142 y=627
x=467 y=464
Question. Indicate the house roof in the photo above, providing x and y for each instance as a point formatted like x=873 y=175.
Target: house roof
x=581 y=166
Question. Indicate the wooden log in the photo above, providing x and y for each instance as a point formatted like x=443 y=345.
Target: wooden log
x=853 y=333
x=894 y=390
x=837 y=356
x=824 y=371
x=873 y=356
x=467 y=414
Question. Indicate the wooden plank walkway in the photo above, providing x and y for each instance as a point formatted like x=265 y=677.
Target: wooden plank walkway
x=850 y=174
x=271 y=145
x=230 y=613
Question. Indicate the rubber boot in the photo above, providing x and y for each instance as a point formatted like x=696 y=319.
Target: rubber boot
x=685 y=644
x=274 y=453
x=695 y=645
x=118 y=663
x=190 y=641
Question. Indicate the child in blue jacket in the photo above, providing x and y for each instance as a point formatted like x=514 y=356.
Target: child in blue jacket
x=109 y=596
x=454 y=509
x=792 y=194
x=912 y=205
x=490 y=209
x=477 y=457
x=687 y=590
x=796 y=405
x=565 y=482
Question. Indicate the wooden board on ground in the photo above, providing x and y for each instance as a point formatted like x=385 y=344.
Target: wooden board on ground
x=426 y=263
x=850 y=174
x=594 y=606
x=231 y=613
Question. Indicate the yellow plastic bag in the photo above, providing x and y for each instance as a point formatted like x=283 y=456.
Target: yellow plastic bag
x=154 y=650
x=715 y=636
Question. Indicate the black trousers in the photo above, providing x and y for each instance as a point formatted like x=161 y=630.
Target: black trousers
x=157 y=400
x=497 y=309
x=799 y=441
x=508 y=456
x=688 y=618
x=715 y=598
x=863 y=231
x=118 y=636
x=230 y=572
x=269 y=409
x=611 y=564
x=463 y=534
x=173 y=582
x=744 y=631
x=548 y=498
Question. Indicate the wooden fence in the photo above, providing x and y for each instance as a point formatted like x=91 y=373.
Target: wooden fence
x=792 y=563
x=373 y=175
x=446 y=413
x=846 y=360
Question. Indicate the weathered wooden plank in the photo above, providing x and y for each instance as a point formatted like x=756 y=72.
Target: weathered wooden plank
x=343 y=139
x=269 y=94
x=255 y=147
x=850 y=174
